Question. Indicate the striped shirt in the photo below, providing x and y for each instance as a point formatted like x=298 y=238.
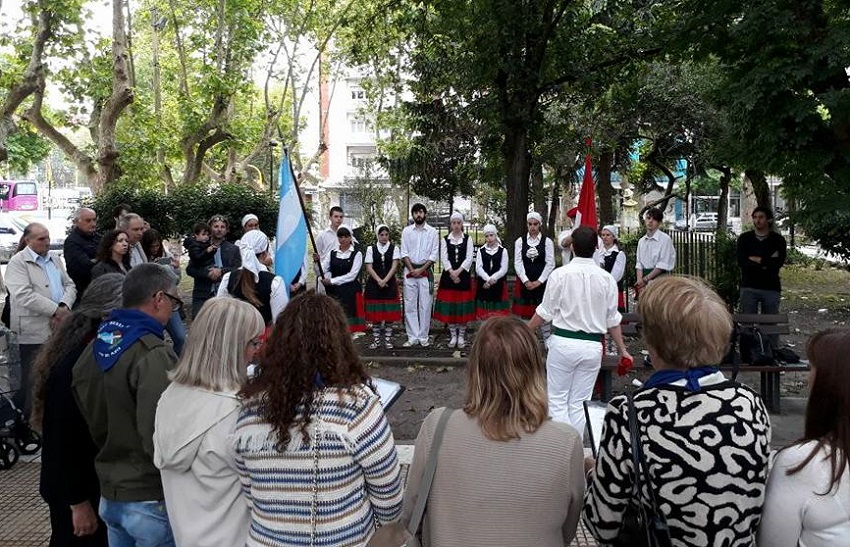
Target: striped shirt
x=358 y=478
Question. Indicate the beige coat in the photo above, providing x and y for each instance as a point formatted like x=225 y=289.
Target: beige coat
x=194 y=451
x=30 y=297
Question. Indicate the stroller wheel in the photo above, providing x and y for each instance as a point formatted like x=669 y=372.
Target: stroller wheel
x=28 y=441
x=8 y=455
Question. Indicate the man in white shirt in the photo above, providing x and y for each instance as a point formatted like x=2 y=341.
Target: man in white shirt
x=655 y=252
x=134 y=226
x=534 y=260
x=327 y=242
x=419 y=251
x=581 y=302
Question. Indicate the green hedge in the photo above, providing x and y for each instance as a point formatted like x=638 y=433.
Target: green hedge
x=176 y=213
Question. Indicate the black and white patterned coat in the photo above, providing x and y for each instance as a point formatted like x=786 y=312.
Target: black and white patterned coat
x=707 y=454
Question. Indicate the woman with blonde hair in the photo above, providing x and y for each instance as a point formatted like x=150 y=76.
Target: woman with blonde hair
x=195 y=421
x=705 y=439
x=808 y=492
x=314 y=449
x=502 y=452
x=69 y=482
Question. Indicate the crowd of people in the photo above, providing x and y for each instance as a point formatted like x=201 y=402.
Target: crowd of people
x=147 y=445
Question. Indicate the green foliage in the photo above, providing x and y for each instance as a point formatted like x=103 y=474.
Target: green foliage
x=175 y=214
x=25 y=147
x=727 y=276
x=829 y=226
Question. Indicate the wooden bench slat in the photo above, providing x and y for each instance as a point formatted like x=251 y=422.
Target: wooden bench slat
x=760 y=319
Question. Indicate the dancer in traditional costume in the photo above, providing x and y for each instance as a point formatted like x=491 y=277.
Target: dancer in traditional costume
x=491 y=267
x=342 y=269
x=455 y=294
x=382 y=304
x=534 y=260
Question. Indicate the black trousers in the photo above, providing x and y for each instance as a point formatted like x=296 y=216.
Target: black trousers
x=62 y=528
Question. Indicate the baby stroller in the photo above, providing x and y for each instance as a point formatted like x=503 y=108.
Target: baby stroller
x=16 y=435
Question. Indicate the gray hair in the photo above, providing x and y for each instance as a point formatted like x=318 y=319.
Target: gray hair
x=124 y=221
x=144 y=281
x=102 y=296
x=79 y=212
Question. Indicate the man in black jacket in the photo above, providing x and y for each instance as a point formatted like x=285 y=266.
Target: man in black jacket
x=226 y=259
x=80 y=248
x=761 y=254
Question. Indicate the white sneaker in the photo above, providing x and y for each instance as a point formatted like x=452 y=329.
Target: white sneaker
x=410 y=343
x=388 y=344
x=424 y=343
x=453 y=341
x=461 y=341
x=373 y=345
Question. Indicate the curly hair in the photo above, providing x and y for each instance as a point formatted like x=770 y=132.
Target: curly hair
x=102 y=296
x=309 y=348
x=104 y=250
x=149 y=238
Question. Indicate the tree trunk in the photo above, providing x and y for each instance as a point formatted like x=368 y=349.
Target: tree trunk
x=603 y=187
x=761 y=190
x=555 y=202
x=723 y=201
x=518 y=168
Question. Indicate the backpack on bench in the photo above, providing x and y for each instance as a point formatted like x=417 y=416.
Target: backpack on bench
x=756 y=348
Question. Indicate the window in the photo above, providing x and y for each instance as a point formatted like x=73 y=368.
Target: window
x=356 y=124
x=357 y=94
x=349 y=204
x=26 y=189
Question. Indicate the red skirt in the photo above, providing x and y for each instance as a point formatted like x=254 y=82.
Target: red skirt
x=357 y=322
x=484 y=309
x=523 y=307
x=378 y=311
x=455 y=306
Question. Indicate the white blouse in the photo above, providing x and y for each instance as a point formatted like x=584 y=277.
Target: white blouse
x=479 y=264
x=351 y=275
x=444 y=253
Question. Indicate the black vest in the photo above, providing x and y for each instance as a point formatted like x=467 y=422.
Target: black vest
x=610 y=260
x=382 y=262
x=491 y=263
x=534 y=268
x=264 y=292
x=457 y=252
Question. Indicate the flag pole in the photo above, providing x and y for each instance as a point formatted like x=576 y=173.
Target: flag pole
x=303 y=208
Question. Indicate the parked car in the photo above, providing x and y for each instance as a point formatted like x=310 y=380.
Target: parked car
x=705 y=222
x=10 y=235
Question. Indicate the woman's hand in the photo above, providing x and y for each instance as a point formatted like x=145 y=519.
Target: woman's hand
x=326 y=282
x=84 y=519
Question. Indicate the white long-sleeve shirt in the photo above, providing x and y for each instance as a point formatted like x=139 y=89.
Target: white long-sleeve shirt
x=519 y=266
x=655 y=251
x=470 y=251
x=794 y=511
x=420 y=244
x=619 y=263
x=278 y=300
x=370 y=259
x=479 y=263
x=581 y=296
x=351 y=275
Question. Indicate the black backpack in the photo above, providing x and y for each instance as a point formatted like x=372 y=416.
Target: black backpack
x=755 y=346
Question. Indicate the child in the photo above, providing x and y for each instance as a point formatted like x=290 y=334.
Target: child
x=201 y=251
x=455 y=295
x=342 y=268
x=491 y=266
x=382 y=304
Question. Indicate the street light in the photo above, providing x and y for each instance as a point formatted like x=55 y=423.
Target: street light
x=272 y=145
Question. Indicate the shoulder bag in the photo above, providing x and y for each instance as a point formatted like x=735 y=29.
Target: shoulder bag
x=642 y=526
x=399 y=534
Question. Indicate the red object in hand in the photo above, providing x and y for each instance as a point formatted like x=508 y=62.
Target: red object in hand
x=626 y=365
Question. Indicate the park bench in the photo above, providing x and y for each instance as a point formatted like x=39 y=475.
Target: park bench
x=770 y=376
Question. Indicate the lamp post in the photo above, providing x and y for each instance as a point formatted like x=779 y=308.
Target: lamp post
x=272 y=145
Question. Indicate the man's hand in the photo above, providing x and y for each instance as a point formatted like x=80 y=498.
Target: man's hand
x=624 y=353
x=214 y=274
x=316 y=258
x=294 y=287
x=756 y=259
x=589 y=464
x=84 y=519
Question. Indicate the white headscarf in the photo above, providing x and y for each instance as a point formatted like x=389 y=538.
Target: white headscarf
x=613 y=230
x=456 y=216
x=490 y=229
x=249 y=217
x=378 y=229
x=253 y=243
x=351 y=231
x=534 y=215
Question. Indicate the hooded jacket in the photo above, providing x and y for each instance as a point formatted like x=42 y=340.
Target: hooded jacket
x=193 y=448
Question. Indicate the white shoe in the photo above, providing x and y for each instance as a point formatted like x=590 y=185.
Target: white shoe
x=453 y=341
x=410 y=343
x=373 y=345
x=461 y=341
x=424 y=343
x=388 y=344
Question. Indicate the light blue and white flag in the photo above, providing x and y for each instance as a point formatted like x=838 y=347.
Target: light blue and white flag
x=291 y=237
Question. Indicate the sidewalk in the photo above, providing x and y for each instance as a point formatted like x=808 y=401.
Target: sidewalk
x=24 y=520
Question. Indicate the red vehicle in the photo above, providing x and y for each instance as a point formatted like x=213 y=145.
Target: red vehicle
x=18 y=195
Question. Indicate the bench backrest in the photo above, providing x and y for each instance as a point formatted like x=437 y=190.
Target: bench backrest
x=776 y=323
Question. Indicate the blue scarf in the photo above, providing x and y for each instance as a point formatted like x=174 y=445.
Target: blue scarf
x=692 y=375
x=120 y=331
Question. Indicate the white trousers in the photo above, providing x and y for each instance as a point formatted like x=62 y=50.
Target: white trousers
x=417 y=308
x=571 y=370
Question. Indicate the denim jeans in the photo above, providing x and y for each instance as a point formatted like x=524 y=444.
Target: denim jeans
x=136 y=523
x=768 y=301
x=177 y=330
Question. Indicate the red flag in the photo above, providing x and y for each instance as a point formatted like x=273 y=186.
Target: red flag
x=586 y=215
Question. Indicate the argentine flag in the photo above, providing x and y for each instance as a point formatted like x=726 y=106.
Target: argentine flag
x=291 y=237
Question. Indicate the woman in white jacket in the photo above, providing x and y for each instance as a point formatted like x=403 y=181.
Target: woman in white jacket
x=195 y=420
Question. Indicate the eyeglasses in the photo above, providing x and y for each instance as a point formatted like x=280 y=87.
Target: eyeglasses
x=176 y=302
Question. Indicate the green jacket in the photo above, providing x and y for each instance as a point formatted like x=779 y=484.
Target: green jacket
x=119 y=406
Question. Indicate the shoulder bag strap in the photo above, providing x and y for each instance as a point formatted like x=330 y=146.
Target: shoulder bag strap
x=428 y=474
x=635 y=445
x=658 y=526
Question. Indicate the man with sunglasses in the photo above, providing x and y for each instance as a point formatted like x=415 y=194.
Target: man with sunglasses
x=117 y=383
x=225 y=260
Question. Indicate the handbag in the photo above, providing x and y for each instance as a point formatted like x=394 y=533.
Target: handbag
x=399 y=534
x=642 y=526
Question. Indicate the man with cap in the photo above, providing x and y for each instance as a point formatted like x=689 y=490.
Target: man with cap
x=420 y=249
x=534 y=260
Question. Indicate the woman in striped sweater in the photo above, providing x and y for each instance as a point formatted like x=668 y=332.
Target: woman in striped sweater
x=313 y=448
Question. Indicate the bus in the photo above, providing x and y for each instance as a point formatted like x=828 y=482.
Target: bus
x=18 y=195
